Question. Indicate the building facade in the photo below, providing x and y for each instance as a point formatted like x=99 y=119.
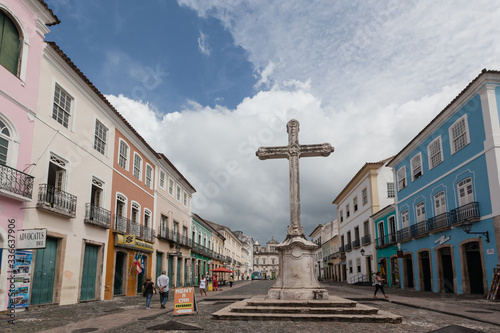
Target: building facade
x=266 y=259
x=370 y=189
x=318 y=254
x=447 y=195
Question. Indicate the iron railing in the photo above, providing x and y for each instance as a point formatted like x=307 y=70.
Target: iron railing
x=419 y=229
x=15 y=181
x=385 y=240
x=440 y=221
x=355 y=243
x=50 y=198
x=466 y=213
x=342 y=249
x=126 y=226
x=348 y=247
x=403 y=234
x=97 y=216
x=171 y=235
x=365 y=240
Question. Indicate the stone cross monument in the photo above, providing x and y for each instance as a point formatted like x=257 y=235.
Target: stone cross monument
x=296 y=279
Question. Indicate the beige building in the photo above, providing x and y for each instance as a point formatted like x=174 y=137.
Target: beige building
x=266 y=259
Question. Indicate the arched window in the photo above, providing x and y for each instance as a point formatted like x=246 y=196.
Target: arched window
x=10 y=44
x=4 y=142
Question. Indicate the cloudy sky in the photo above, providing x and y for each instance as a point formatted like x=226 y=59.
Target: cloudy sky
x=208 y=82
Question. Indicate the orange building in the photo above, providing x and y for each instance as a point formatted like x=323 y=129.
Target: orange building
x=132 y=203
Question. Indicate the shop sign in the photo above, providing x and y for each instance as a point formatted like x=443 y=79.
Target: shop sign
x=129 y=241
x=184 y=301
x=441 y=240
x=28 y=239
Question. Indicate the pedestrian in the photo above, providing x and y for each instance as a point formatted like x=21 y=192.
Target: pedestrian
x=148 y=288
x=231 y=280
x=203 y=286
x=379 y=284
x=214 y=279
x=162 y=283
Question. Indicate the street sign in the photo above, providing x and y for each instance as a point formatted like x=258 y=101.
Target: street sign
x=184 y=301
x=28 y=239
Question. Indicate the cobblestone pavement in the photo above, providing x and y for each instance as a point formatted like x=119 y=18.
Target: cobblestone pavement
x=414 y=320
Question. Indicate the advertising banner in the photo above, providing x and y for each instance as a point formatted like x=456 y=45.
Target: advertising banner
x=184 y=301
x=21 y=272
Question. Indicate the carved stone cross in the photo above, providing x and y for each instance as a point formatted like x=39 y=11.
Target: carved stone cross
x=293 y=152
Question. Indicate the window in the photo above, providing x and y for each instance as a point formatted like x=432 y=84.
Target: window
x=272 y=261
x=350 y=266
x=459 y=134
x=10 y=44
x=120 y=205
x=171 y=187
x=341 y=216
x=435 y=153
x=364 y=194
x=366 y=228
x=96 y=192
x=465 y=193
x=404 y=218
x=355 y=204
x=347 y=212
x=178 y=193
x=57 y=173
x=123 y=155
x=162 y=179
x=440 y=203
x=137 y=166
x=4 y=142
x=356 y=233
x=164 y=222
x=401 y=178
x=256 y=261
x=101 y=133
x=358 y=265
x=149 y=175
x=61 y=110
x=416 y=166
x=185 y=201
x=391 y=192
x=392 y=228
x=135 y=213
x=147 y=218
x=263 y=261
x=420 y=211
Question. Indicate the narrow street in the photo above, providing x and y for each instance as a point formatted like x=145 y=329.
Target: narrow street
x=421 y=312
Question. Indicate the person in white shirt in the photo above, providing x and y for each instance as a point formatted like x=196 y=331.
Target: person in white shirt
x=162 y=282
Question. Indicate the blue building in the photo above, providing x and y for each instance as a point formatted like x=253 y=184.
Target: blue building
x=384 y=224
x=447 y=195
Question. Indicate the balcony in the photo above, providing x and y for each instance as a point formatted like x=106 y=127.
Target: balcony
x=365 y=240
x=97 y=216
x=440 y=221
x=172 y=236
x=15 y=184
x=53 y=200
x=126 y=226
x=348 y=247
x=419 y=229
x=200 y=249
x=403 y=234
x=356 y=243
x=466 y=213
x=384 y=241
x=342 y=250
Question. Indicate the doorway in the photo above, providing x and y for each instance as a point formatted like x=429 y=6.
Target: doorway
x=425 y=273
x=408 y=262
x=89 y=273
x=44 y=273
x=119 y=267
x=474 y=267
x=447 y=283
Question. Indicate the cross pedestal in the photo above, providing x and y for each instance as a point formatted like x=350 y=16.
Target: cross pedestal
x=296 y=278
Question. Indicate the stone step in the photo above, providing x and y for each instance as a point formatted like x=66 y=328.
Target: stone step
x=333 y=302
x=305 y=310
x=381 y=317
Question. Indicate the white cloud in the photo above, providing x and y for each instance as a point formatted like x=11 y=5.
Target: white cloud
x=203 y=44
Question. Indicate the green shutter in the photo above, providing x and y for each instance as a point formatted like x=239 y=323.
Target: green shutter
x=9 y=44
x=44 y=273
x=89 y=273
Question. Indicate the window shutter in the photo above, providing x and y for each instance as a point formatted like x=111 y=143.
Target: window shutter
x=9 y=44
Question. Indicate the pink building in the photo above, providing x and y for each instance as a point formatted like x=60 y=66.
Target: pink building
x=23 y=25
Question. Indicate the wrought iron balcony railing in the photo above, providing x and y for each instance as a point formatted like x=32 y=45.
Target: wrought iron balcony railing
x=365 y=240
x=341 y=249
x=348 y=247
x=126 y=226
x=15 y=182
x=440 y=221
x=355 y=243
x=97 y=216
x=404 y=234
x=419 y=229
x=51 y=199
x=385 y=240
x=466 y=213
x=171 y=235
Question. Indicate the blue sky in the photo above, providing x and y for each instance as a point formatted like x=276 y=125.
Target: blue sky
x=208 y=82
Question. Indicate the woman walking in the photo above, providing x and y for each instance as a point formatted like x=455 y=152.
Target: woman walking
x=203 y=286
x=379 y=284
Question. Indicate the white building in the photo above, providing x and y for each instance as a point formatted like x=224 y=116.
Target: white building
x=266 y=259
x=318 y=254
x=371 y=189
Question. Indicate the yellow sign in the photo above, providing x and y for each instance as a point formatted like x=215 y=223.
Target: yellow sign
x=131 y=242
x=184 y=301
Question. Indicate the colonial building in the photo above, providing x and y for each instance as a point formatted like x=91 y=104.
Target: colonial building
x=246 y=254
x=447 y=207
x=384 y=226
x=172 y=219
x=232 y=249
x=266 y=259
x=23 y=25
x=318 y=255
x=334 y=269
x=369 y=190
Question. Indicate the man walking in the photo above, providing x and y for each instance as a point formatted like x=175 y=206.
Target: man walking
x=162 y=282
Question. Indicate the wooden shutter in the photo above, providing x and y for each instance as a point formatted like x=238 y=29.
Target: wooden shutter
x=9 y=44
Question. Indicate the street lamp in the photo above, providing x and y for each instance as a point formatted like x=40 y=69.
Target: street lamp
x=362 y=252
x=467 y=226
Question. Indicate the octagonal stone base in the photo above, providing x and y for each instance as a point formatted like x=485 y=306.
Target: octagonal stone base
x=297 y=279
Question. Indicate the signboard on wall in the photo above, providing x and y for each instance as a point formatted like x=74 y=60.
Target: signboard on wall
x=31 y=239
x=21 y=279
